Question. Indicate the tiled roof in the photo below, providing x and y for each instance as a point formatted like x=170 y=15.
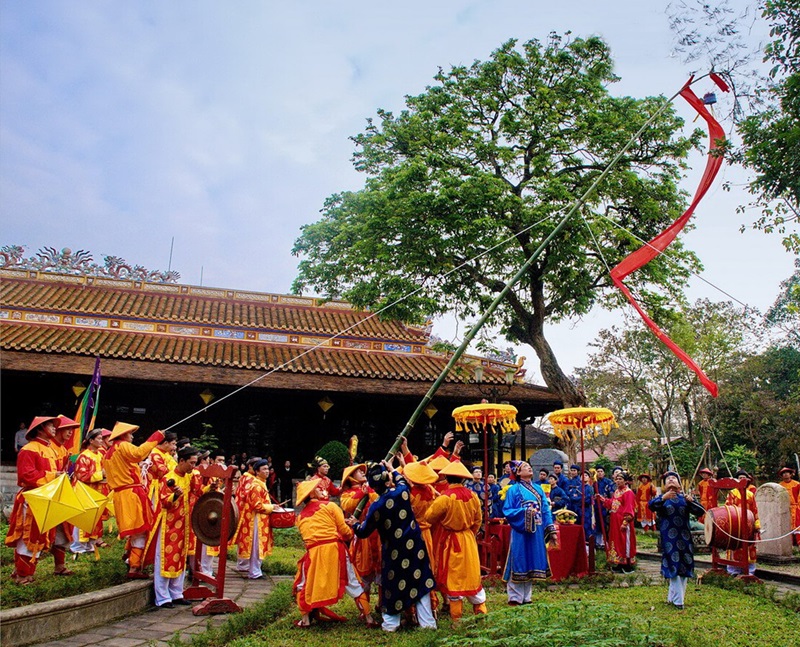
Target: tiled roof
x=77 y=315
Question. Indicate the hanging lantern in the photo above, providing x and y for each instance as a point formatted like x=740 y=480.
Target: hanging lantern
x=430 y=411
x=206 y=396
x=325 y=404
x=78 y=389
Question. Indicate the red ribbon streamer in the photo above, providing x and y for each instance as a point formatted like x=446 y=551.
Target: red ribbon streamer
x=648 y=252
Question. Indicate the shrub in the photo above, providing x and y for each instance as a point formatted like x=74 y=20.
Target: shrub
x=337 y=456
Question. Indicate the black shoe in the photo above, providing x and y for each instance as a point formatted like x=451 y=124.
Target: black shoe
x=182 y=602
x=166 y=605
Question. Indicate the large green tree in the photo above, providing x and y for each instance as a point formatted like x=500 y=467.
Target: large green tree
x=464 y=183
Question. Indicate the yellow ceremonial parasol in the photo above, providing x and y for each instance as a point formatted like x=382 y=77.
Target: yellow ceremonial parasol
x=483 y=417
x=472 y=416
x=53 y=503
x=590 y=421
x=94 y=504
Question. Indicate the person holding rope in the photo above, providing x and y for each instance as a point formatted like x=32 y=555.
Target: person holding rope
x=747 y=551
x=406 y=574
x=672 y=509
x=133 y=510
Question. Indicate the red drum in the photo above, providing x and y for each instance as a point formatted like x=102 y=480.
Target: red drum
x=282 y=518
x=724 y=527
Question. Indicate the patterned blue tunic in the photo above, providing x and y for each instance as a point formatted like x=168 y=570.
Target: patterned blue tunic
x=527 y=511
x=677 y=551
x=406 y=574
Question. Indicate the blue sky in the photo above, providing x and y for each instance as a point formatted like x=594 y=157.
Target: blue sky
x=226 y=125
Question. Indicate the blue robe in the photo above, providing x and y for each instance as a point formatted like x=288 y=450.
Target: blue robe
x=677 y=551
x=605 y=488
x=558 y=498
x=527 y=511
x=573 y=491
x=406 y=574
x=589 y=525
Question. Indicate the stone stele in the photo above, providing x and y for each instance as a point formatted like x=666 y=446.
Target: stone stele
x=773 y=511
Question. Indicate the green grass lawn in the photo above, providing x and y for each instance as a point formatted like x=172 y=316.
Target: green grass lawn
x=607 y=617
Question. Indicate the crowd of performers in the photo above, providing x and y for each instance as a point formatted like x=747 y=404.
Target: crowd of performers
x=414 y=541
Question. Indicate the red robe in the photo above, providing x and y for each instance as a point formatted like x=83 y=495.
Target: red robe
x=621 y=538
x=365 y=554
x=256 y=508
x=734 y=498
x=89 y=470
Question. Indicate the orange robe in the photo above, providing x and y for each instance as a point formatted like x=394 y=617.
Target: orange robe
x=36 y=465
x=132 y=508
x=456 y=516
x=704 y=494
x=172 y=523
x=422 y=496
x=734 y=498
x=365 y=554
x=89 y=470
x=793 y=490
x=644 y=493
x=256 y=508
x=323 y=568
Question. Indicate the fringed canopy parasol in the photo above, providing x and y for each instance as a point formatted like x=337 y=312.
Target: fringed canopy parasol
x=475 y=417
x=591 y=420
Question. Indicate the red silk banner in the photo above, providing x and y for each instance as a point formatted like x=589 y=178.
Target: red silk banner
x=648 y=252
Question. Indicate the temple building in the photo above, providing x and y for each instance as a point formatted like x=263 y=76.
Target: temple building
x=269 y=374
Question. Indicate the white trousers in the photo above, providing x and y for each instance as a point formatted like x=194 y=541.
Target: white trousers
x=519 y=592
x=677 y=589
x=206 y=561
x=167 y=589
x=478 y=598
x=78 y=546
x=254 y=563
x=424 y=616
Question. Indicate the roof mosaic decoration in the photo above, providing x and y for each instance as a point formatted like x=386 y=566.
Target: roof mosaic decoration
x=48 y=259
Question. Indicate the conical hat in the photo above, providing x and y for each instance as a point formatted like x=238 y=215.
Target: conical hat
x=304 y=488
x=94 y=504
x=438 y=463
x=67 y=423
x=456 y=468
x=420 y=473
x=122 y=428
x=39 y=420
x=53 y=503
x=350 y=469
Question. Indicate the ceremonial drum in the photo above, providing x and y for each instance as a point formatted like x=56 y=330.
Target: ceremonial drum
x=724 y=527
x=282 y=518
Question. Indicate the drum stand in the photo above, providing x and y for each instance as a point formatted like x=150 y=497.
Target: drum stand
x=718 y=563
x=214 y=600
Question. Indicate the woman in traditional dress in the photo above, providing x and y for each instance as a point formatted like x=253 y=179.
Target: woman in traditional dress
x=527 y=510
x=677 y=551
x=621 y=534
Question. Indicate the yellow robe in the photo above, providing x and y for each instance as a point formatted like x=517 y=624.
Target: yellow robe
x=324 y=565
x=456 y=517
x=365 y=554
x=132 y=508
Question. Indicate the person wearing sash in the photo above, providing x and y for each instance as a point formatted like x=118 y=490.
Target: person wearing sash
x=321 y=469
x=132 y=508
x=456 y=516
x=621 y=534
x=747 y=551
x=792 y=488
x=240 y=496
x=324 y=572
x=527 y=511
x=672 y=509
x=704 y=491
x=62 y=444
x=89 y=471
x=645 y=492
x=365 y=554
x=254 y=539
x=36 y=466
x=161 y=461
x=168 y=542
x=406 y=575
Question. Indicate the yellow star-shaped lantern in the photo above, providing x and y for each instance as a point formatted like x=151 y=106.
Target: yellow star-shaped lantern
x=53 y=503
x=94 y=504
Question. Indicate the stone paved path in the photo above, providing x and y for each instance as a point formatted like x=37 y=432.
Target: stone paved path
x=156 y=626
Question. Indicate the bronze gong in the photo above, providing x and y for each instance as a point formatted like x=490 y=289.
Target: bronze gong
x=207 y=518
